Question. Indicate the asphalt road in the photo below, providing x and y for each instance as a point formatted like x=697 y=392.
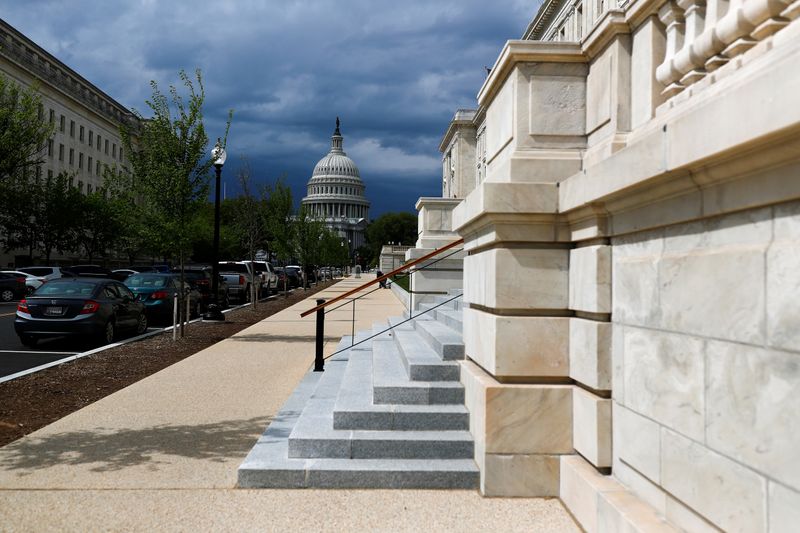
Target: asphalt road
x=14 y=357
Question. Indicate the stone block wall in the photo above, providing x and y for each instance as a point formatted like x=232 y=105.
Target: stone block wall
x=641 y=281
x=707 y=367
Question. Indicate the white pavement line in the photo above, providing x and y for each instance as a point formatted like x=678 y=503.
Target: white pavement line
x=9 y=314
x=37 y=351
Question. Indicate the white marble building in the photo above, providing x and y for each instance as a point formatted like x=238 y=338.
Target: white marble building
x=631 y=214
x=335 y=194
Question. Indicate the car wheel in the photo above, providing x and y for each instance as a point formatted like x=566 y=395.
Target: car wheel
x=107 y=334
x=7 y=295
x=141 y=324
x=28 y=341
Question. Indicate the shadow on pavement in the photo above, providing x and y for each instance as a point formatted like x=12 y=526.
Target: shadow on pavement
x=113 y=450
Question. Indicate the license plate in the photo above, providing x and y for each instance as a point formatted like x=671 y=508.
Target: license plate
x=54 y=311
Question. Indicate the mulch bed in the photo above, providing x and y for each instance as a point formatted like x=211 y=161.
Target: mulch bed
x=36 y=400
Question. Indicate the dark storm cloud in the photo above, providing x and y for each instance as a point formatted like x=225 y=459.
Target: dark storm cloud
x=394 y=71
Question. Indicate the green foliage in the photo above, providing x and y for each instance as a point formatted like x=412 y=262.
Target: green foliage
x=307 y=236
x=24 y=132
x=251 y=219
x=398 y=228
x=333 y=249
x=170 y=165
x=98 y=224
x=279 y=221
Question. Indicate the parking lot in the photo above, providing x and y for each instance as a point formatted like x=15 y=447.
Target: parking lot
x=14 y=357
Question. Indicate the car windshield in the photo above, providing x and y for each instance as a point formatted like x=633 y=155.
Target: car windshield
x=233 y=267
x=66 y=289
x=143 y=281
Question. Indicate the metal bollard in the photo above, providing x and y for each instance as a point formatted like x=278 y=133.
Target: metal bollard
x=319 y=362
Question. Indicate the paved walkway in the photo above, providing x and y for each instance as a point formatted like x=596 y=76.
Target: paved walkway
x=161 y=454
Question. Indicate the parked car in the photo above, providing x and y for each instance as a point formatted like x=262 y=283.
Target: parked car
x=46 y=272
x=88 y=271
x=31 y=282
x=239 y=276
x=156 y=291
x=12 y=287
x=121 y=274
x=97 y=308
x=200 y=278
x=293 y=273
x=269 y=280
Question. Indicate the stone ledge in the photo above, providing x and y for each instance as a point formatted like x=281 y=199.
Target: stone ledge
x=601 y=503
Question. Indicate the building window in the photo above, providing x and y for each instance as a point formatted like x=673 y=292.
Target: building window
x=91 y=137
x=97 y=168
x=71 y=156
x=60 y=152
x=89 y=164
x=50 y=147
x=120 y=153
x=41 y=111
x=62 y=124
x=114 y=150
x=80 y=134
x=80 y=160
x=88 y=188
x=80 y=186
x=52 y=116
x=72 y=128
x=106 y=145
x=98 y=141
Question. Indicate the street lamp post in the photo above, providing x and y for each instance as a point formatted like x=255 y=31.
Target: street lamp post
x=214 y=312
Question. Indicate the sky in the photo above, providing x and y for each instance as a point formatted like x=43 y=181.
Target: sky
x=394 y=71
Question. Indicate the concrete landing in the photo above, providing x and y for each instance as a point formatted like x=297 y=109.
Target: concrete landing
x=162 y=454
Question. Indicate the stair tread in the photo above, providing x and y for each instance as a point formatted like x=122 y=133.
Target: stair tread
x=388 y=370
x=355 y=393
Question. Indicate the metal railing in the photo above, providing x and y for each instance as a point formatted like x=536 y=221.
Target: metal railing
x=406 y=270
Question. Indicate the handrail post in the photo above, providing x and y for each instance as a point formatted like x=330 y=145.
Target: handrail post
x=353 y=324
x=319 y=361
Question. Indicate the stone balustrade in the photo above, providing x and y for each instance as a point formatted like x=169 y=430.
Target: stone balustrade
x=703 y=35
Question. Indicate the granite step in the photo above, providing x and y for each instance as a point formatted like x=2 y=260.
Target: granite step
x=452 y=318
x=268 y=464
x=354 y=408
x=391 y=383
x=421 y=362
x=445 y=341
x=314 y=437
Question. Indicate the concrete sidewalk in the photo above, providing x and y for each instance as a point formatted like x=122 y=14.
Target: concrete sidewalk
x=162 y=453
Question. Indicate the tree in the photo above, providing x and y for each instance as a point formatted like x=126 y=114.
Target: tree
x=279 y=220
x=55 y=214
x=170 y=164
x=133 y=237
x=250 y=220
x=98 y=225
x=399 y=228
x=307 y=235
x=24 y=132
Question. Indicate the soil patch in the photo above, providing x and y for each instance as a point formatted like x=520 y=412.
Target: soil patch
x=36 y=400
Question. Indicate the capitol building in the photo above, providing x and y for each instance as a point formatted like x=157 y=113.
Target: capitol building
x=335 y=194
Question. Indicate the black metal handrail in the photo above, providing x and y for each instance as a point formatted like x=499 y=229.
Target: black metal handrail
x=407 y=270
x=410 y=317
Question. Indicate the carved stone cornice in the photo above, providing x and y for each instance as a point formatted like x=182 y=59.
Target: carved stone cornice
x=527 y=52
